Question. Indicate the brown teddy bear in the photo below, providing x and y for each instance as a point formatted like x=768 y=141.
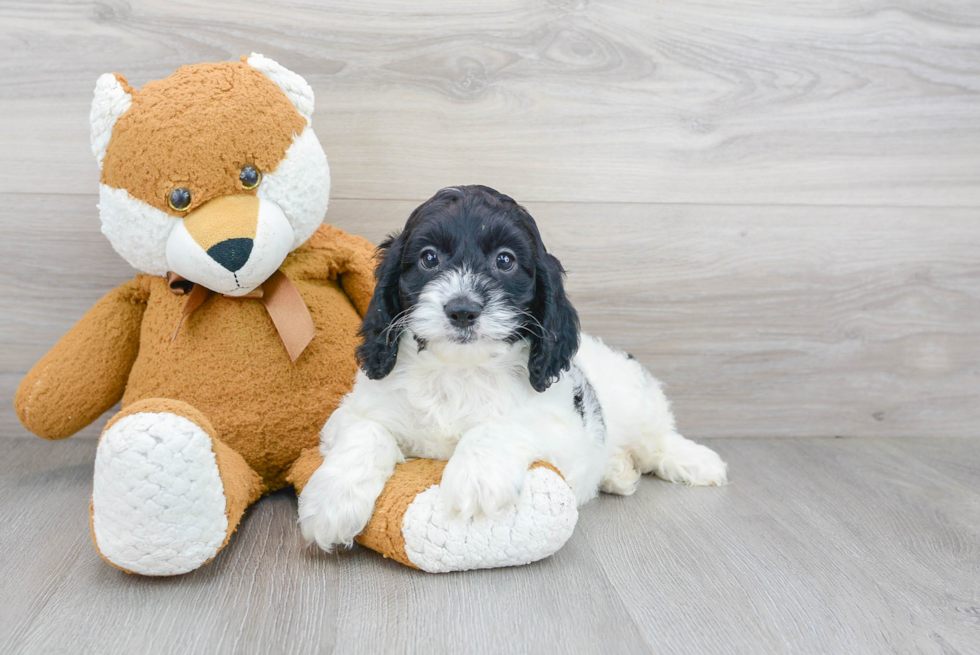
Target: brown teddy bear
x=235 y=342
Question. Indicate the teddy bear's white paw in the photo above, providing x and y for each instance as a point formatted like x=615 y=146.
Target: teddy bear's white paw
x=158 y=503
x=541 y=520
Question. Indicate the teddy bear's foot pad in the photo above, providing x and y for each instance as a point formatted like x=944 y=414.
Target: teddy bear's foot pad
x=537 y=526
x=158 y=503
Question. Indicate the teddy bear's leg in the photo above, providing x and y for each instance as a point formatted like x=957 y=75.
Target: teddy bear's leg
x=411 y=524
x=167 y=493
x=303 y=468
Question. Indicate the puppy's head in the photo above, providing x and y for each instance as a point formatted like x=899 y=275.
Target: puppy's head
x=470 y=267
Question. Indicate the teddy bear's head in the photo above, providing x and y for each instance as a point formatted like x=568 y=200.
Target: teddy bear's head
x=213 y=173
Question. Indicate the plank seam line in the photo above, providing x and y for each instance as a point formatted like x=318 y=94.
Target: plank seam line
x=596 y=202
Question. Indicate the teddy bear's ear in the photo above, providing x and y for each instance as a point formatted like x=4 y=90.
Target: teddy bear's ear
x=112 y=99
x=295 y=87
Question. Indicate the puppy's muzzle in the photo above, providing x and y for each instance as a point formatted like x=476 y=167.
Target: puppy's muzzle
x=463 y=312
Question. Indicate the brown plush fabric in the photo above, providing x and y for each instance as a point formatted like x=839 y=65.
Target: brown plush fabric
x=550 y=467
x=351 y=258
x=384 y=533
x=243 y=486
x=188 y=130
x=303 y=468
x=163 y=405
x=85 y=373
x=229 y=363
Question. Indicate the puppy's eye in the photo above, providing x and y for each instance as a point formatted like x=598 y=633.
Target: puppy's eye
x=505 y=260
x=179 y=199
x=429 y=258
x=250 y=177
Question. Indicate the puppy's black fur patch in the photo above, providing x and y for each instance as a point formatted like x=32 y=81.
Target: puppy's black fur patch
x=587 y=405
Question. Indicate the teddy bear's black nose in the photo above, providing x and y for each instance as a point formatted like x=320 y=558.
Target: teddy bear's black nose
x=231 y=253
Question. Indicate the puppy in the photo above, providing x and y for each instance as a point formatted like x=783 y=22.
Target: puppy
x=472 y=354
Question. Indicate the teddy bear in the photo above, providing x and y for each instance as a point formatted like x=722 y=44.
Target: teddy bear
x=235 y=341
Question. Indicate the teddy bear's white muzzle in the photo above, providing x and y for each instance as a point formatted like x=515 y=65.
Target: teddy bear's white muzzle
x=230 y=245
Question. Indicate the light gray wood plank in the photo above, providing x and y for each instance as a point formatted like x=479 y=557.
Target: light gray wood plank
x=819 y=545
x=262 y=594
x=561 y=605
x=265 y=593
x=856 y=102
x=44 y=492
x=762 y=321
x=954 y=462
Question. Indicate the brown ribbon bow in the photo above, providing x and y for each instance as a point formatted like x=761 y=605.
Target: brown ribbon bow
x=286 y=308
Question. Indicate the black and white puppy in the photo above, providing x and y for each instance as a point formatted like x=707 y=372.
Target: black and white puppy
x=472 y=354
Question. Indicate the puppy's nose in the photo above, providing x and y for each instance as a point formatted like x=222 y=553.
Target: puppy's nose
x=231 y=253
x=463 y=313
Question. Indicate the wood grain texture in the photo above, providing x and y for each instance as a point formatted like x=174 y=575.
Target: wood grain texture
x=854 y=102
x=775 y=206
x=818 y=546
x=762 y=321
x=808 y=527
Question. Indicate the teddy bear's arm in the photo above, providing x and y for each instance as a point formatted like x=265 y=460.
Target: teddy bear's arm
x=352 y=263
x=85 y=373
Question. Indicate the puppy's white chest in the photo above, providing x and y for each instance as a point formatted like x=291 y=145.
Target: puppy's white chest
x=447 y=403
x=453 y=400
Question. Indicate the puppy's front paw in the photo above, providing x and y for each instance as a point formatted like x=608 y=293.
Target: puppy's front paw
x=471 y=484
x=332 y=514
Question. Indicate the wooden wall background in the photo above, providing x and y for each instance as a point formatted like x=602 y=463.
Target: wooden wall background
x=774 y=205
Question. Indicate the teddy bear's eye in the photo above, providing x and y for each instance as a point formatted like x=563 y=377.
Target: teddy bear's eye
x=250 y=177
x=179 y=199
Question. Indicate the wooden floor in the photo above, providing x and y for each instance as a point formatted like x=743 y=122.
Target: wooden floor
x=818 y=546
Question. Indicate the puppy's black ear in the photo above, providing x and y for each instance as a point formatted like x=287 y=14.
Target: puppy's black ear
x=555 y=341
x=379 y=351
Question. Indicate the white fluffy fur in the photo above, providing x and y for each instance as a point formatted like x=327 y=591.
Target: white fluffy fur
x=294 y=86
x=473 y=405
x=137 y=231
x=300 y=185
x=110 y=102
x=273 y=241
